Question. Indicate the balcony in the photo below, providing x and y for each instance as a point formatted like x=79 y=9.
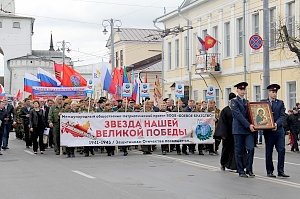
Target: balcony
x=208 y=63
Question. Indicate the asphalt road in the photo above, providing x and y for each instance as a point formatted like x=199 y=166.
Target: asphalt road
x=24 y=175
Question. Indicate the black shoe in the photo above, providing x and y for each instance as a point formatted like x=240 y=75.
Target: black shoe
x=185 y=153
x=108 y=154
x=250 y=174
x=69 y=155
x=1 y=153
x=4 y=148
x=201 y=153
x=222 y=167
x=86 y=155
x=164 y=153
x=92 y=152
x=178 y=153
x=243 y=175
x=125 y=153
x=271 y=175
x=57 y=153
x=283 y=175
x=73 y=155
x=27 y=147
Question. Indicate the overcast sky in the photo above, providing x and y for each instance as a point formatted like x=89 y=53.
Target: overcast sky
x=80 y=22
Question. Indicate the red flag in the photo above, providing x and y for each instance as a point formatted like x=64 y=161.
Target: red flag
x=18 y=95
x=58 y=68
x=72 y=78
x=209 y=42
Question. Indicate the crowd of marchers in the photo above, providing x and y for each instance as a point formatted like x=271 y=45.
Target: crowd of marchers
x=29 y=119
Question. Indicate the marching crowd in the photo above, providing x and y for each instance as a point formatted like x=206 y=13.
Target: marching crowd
x=30 y=118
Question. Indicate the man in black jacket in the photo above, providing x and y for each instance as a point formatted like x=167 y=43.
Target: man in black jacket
x=3 y=114
x=25 y=115
x=8 y=122
x=293 y=126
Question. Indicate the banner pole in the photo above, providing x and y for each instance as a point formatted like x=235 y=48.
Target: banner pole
x=126 y=104
x=144 y=104
x=89 y=104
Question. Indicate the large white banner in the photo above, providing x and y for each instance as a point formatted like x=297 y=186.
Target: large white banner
x=105 y=129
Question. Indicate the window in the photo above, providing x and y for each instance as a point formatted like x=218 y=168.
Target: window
x=196 y=95
x=169 y=55
x=204 y=33
x=292 y=96
x=176 y=53
x=186 y=51
x=121 y=58
x=227 y=92
x=240 y=35
x=255 y=23
x=272 y=27
x=227 y=39
x=215 y=34
x=291 y=18
x=257 y=93
x=204 y=95
x=217 y=98
x=117 y=59
x=16 y=25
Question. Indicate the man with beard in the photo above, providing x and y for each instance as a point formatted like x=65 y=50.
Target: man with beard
x=224 y=130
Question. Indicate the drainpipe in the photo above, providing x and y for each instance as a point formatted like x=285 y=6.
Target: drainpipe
x=189 y=23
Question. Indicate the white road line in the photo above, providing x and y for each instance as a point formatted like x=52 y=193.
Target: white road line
x=291 y=163
x=213 y=168
x=29 y=152
x=83 y=174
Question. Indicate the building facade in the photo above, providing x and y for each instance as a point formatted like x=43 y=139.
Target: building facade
x=223 y=20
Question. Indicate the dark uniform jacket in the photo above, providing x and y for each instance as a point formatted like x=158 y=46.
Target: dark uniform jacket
x=293 y=123
x=241 y=121
x=278 y=113
x=224 y=127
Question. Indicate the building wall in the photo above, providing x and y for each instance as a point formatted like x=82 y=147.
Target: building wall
x=206 y=16
x=21 y=66
x=15 y=42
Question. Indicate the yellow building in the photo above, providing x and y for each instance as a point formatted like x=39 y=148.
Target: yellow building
x=139 y=50
x=223 y=20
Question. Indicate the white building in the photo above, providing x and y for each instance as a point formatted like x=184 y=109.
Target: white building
x=16 y=43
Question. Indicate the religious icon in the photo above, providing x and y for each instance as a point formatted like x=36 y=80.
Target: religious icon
x=261 y=115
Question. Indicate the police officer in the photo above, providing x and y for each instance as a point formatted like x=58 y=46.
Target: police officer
x=242 y=131
x=275 y=137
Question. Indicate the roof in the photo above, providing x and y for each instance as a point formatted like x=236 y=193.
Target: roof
x=31 y=57
x=48 y=54
x=15 y=16
x=151 y=64
x=136 y=34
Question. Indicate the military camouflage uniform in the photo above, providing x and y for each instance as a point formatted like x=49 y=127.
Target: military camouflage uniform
x=19 y=124
x=54 y=118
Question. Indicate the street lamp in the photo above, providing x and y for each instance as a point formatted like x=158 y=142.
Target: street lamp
x=63 y=45
x=112 y=23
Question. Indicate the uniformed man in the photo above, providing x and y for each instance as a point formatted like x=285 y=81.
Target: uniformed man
x=275 y=137
x=242 y=130
x=19 y=123
x=54 y=122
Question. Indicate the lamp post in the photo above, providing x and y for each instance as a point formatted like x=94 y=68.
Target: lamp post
x=63 y=45
x=112 y=23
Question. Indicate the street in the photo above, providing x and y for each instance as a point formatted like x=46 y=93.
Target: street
x=24 y=175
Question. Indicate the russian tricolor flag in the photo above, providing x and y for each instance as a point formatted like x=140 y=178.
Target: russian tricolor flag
x=47 y=79
x=30 y=81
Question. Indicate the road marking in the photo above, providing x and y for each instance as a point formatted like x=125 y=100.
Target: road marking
x=83 y=174
x=213 y=168
x=29 y=152
x=291 y=163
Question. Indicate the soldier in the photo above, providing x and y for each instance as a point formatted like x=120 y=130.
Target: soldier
x=242 y=130
x=24 y=114
x=54 y=121
x=275 y=137
x=19 y=123
x=68 y=109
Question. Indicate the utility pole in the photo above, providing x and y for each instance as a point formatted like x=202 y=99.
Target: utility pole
x=63 y=45
x=244 y=41
x=266 y=61
x=112 y=23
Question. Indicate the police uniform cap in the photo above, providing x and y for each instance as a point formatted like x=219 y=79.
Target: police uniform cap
x=119 y=100
x=166 y=99
x=273 y=87
x=241 y=85
x=132 y=100
x=100 y=101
